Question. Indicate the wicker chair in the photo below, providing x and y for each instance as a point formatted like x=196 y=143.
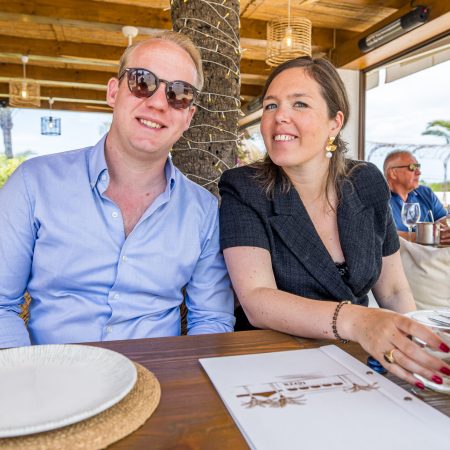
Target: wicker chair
x=25 y=313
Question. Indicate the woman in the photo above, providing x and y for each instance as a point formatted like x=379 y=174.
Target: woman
x=306 y=225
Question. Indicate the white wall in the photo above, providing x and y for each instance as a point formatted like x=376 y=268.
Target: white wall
x=350 y=132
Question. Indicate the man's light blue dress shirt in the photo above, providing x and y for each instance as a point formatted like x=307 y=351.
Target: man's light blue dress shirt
x=63 y=240
x=427 y=200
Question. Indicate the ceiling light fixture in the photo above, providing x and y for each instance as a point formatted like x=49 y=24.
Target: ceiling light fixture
x=130 y=33
x=24 y=92
x=287 y=39
x=50 y=126
x=418 y=16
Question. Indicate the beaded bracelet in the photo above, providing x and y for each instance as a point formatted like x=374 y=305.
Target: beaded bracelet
x=333 y=323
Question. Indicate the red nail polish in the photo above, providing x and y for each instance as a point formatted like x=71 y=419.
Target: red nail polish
x=444 y=348
x=420 y=385
x=445 y=371
x=437 y=379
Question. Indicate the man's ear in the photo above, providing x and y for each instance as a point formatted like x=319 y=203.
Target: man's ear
x=391 y=174
x=111 y=91
x=189 y=117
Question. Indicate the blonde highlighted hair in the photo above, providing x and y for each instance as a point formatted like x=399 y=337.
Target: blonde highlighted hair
x=179 y=39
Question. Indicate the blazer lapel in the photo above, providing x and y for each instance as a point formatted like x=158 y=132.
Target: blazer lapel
x=294 y=227
x=356 y=234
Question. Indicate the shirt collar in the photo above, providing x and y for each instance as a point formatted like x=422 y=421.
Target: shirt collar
x=169 y=170
x=413 y=192
x=97 y=166
x=97 y=162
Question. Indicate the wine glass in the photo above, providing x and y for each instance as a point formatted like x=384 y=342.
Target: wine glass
x=410 y=216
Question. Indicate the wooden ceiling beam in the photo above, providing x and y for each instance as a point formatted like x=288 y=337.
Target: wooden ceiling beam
x=249 y=90
x=64 y=92
x=46 y=47
x=348 y=55
x=60 y=62
x=76 y=107
x=255 y=67
x=67 y=99
x=45 y=73
x=81 y=13
x=91 y=11
x=42 y=47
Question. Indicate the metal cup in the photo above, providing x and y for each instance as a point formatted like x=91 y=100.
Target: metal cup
x=428 y=233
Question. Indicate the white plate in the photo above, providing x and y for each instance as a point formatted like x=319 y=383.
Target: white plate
x=50 y=386
x=423 y=316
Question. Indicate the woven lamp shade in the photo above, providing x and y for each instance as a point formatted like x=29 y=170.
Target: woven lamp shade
x=278 y=49
x=32 y=90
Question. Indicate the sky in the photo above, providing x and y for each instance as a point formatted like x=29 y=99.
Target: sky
x=78 y=130
x=402 y=109
x=396 y=112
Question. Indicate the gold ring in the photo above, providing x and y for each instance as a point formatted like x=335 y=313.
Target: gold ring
x=389 y=356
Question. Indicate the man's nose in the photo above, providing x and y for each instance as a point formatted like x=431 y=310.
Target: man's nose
x=158 y=99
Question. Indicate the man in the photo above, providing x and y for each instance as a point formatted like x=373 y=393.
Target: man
x=402 y=172
x=108 y=239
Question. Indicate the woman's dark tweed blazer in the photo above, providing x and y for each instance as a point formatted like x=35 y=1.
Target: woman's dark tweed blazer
x=300 y=261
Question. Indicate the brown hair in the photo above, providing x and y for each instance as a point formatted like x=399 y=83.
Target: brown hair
x=334 y=93
x=179 y=39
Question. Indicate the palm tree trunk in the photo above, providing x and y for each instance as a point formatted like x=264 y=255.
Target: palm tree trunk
x=6 y=124
x=209 y=146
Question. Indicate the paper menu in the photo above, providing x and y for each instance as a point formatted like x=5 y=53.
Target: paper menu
x=322 y=399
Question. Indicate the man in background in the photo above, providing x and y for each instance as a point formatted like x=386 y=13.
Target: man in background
x=109 y=239
x=402 y=172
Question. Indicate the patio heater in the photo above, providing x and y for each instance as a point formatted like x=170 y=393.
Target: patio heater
x=50 y=126
x=416 y=17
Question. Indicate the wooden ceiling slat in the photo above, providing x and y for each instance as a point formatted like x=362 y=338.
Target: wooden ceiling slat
x=93 y=11
x=56 y=62
x=45 y=73
x=64 y=92
x=52 y=48
x=349 y=56
x=350 y=15
x=101 y=30
x=58 y=49
x=76 y=44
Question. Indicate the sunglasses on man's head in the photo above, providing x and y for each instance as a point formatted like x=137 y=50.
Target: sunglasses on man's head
x=411 y=167
x=143 y=84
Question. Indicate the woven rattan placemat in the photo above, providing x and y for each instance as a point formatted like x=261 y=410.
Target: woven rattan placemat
x=103 y=429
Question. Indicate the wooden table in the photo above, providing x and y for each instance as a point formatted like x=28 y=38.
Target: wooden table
x=191 y=415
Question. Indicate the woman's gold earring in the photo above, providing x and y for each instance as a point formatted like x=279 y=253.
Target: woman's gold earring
x=330 y=147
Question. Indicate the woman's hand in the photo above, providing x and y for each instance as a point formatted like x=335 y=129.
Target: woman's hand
x=381 y=332
x=444 y=232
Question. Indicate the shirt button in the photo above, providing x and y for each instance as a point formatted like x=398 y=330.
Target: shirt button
x=115 y=214
x=109 y=329
x=103 y=177
x=124 y=258
x=116 y=296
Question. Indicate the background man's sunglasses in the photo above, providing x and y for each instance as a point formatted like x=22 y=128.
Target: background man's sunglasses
x=143 y=84
x=411 y=167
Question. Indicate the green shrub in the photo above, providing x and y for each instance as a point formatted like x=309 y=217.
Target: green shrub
x=8 y=166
